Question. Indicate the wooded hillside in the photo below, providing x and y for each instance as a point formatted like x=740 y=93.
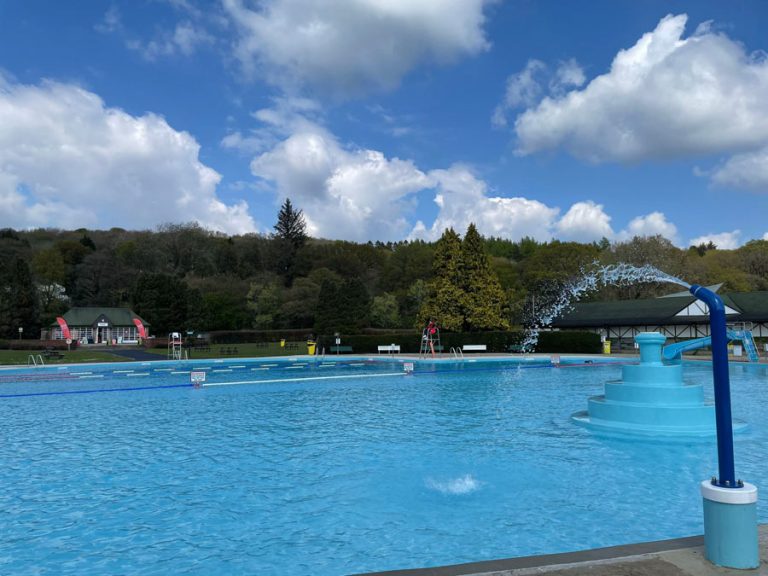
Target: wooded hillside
x=182 y=277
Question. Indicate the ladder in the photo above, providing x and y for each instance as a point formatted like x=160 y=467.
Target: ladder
x=749 y=346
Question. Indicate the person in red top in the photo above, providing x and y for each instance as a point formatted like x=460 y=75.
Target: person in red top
x=431 y=331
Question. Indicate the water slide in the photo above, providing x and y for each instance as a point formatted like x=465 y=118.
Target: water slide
x=675 y=351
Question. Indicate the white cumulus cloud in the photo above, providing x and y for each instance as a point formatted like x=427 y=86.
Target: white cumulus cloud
x=723 y=240
x=351 y=46
x=585 y=222
x=68 y=161
x=351 y=194
x=462 y=198
x=666 y=96
x=653 y=224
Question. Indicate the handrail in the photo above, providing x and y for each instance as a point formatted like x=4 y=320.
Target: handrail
x=457 y=352
x=31 y=360
x=40 y=357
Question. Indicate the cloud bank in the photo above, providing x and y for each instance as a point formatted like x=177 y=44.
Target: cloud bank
x=665 y=97
x=349 y=47
x=69 y=161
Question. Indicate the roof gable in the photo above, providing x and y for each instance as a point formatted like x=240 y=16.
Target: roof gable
x=746 y=306
x=90 y=315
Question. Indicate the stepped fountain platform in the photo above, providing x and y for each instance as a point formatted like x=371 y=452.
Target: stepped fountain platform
x=651 y=399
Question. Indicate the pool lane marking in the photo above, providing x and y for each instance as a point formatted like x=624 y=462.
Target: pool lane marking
x=222 y=370
x=181 y=372
x=97 y=390
x=122 y=371
x=308 y=379
x=92 y=376
x=80 y=373
x=138 y=374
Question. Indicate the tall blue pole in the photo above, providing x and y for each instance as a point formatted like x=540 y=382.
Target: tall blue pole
x=722 y=381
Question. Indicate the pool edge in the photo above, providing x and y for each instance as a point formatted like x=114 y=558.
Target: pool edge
x=690 y=551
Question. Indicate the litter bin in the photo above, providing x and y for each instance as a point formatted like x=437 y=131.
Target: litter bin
x=311 y=347
x=607 y=347
x=282 y=343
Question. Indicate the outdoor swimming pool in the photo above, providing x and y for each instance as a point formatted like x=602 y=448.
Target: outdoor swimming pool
x=317 y=470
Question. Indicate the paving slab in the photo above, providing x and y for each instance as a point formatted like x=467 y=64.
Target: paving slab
x=678 y=557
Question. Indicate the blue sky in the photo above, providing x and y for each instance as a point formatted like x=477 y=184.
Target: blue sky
x=388 y=119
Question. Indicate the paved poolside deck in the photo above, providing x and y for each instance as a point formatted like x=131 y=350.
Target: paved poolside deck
x=679 y=557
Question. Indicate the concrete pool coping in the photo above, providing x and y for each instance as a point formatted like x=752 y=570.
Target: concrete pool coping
x=677 y=557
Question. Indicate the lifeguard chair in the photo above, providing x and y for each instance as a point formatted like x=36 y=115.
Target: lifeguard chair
x=174 y=346
x=430 y=340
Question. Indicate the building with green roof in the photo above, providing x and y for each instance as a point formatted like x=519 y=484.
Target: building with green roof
x=97 y=325
x=678 y=316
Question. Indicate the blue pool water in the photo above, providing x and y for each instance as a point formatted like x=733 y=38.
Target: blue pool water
x=317 y=470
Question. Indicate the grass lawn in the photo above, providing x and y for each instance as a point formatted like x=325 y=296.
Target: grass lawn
x=248 y=350
x=9 y=357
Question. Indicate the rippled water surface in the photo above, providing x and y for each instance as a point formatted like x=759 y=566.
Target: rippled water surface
x=341 y=475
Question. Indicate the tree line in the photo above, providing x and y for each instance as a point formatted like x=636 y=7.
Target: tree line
x=181 y=276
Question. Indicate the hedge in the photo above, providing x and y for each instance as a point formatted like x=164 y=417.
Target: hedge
x=40 y=345
x=245 y=336
x=566 y=342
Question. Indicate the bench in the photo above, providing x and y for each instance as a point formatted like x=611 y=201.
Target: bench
x=389 y=348
x=51 y=353
x=516 y=348
x=227 y=351
x=474 y=348
x=341 y=349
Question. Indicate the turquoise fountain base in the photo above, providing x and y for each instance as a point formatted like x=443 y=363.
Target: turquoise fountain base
x=651 y=399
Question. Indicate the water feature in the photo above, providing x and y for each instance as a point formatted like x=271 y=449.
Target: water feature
x=651 y=398
x=589 y=281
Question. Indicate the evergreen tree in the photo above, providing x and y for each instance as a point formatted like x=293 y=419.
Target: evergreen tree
x=483 y=296
x=342 y=307
x=445 y=302
x=19 y=307
x=290 y=236
x=291 y=225
x=161 y=299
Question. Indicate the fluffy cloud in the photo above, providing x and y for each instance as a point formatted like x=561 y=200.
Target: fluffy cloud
x=652 y=224
x=585 y=222
x=526 y=88
x=666 y=96
x=351 y=46
x=68 y=161
x=360 y=194
x=462 y=198
x=347 y=194
x=724 y=240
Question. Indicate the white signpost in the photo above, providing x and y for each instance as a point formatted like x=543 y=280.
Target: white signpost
x=197 y=378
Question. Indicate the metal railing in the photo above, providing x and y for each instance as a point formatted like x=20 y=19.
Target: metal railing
x=457 y=352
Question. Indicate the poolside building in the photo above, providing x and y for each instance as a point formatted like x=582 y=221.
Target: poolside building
x=96 y=325
x=678 y=316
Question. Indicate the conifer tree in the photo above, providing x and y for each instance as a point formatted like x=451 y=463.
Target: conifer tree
x=290 y=234
x=291 y=225
x=483 y=296
x=445 y=302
